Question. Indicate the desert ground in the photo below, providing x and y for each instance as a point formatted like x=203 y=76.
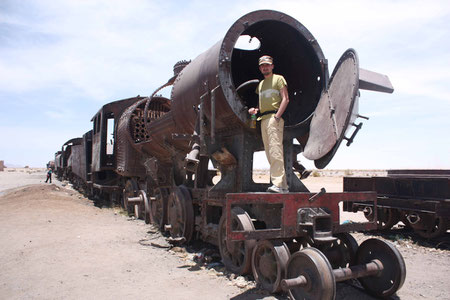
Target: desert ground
x=55 y=244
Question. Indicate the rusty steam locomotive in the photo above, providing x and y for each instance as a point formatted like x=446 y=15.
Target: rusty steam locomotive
x=155 y=160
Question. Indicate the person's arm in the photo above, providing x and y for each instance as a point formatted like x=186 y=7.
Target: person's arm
x=253 y=110
x=284 y=102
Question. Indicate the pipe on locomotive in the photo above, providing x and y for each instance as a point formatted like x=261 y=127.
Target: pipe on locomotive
x=223 y=68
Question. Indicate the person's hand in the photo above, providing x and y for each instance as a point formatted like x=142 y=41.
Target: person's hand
x=253 y=111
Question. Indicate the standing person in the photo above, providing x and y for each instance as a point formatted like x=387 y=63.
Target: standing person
x=273 y=100
x=49 y=175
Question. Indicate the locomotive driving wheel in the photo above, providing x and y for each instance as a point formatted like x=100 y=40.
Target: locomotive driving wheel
x=158 y=207
x=392 y=277
x=180 y=218
x=312 y=264
x=342 y=252
x=236 y=255
x=269 y=261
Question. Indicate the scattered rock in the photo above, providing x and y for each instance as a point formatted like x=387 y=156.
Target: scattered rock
x=151 y=231
x=240 y=282
x=176 y=241
x=178 y=249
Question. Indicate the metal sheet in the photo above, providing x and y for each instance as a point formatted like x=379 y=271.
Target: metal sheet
x=373 y=81
x=128 y=159
x=78 y=161
x=290 y=203
x=334 y=111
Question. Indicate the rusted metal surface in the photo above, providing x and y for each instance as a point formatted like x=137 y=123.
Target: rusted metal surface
x=77 y=161
x=335 y=111
x=342 y=274
x=161 y=127
x=58 y=164
x=180 y=214
x=101 y=161
x=418 y=198
x=236 y=255
x=379 y=267
x=131 y=129
x=427 y=194
x=80 y=158
x=269 y=261
x=309 y=275
x=227 y=68
x=390 y=277
x=419 y=173
x=289 y=204
x=372 y=81
x=66 y=152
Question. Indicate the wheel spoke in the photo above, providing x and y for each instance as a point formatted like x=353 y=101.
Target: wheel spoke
x=269 y=264
x=236 y=255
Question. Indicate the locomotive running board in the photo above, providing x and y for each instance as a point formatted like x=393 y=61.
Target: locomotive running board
x=106 y=187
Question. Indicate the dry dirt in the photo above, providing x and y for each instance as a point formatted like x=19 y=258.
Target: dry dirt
x=55 y=244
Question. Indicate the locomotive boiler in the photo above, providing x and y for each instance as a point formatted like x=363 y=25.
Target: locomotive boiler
x=156 y=159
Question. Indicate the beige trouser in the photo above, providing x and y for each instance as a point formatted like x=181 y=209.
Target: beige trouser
x=272 y=135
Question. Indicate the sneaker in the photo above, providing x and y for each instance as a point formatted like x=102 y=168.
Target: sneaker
x=305 y=174
x=275 y=189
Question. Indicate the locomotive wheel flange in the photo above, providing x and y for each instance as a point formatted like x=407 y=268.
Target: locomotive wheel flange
x=158 y=207
x=236 y=255
x=313 y=265
x=392 y=277
x=180 y=217
x=430 y=226
x=342 y=252
x=131 y=189
x=387 y=217
x=269 y=261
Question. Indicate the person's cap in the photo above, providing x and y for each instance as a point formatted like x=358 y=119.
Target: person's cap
x=266 y=59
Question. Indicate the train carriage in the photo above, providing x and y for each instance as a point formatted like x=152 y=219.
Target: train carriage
x=418 y=198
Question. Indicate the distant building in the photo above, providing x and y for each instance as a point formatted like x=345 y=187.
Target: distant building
x=2 y=165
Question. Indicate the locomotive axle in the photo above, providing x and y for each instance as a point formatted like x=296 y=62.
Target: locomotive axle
x=342 y=274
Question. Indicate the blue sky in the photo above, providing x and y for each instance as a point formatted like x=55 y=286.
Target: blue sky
x=60 y=61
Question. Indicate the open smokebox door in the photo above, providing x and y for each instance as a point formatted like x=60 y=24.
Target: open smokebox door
x=336 y=111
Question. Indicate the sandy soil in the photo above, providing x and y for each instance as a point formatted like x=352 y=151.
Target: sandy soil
x=57 y=245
